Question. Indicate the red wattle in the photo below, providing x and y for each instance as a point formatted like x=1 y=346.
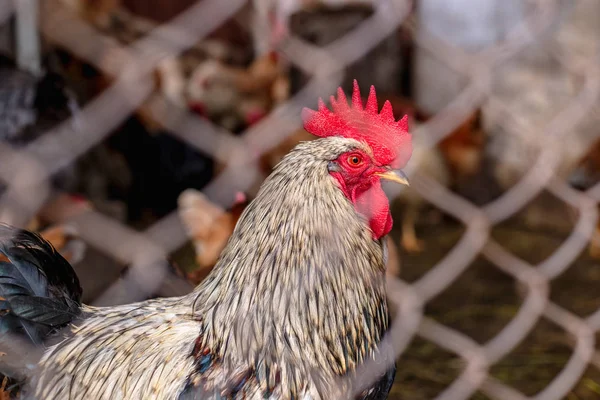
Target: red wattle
x=372 y=203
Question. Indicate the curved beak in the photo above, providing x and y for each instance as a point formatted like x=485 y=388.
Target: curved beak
x=394 y=175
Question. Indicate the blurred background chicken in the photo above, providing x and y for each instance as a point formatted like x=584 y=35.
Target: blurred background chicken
x=587 y=171
x=96 y=12
x=237 y=97
x=63 y=236
x=209 y=227
x=585 y=175
x=428 y=161
x=463 y=150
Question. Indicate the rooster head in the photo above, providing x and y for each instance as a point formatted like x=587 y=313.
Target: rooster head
x=384 y=147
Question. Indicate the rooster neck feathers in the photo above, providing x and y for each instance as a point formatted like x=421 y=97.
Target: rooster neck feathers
x=307 y=287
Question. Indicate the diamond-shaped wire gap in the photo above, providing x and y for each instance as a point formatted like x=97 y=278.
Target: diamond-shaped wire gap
x=436 y=84
x=424 y=371
x=479 y=303
x=169 y=167
x=576 y=289
x=460 y=255
x=185 y=257
x=324 y=26
x=583 y=350
x=578 y=32
x=536 y=361
x=96 y=272
x=588 y=387
x=133 y=170
x=475 y=363
x=535 y=232
x=439 y=233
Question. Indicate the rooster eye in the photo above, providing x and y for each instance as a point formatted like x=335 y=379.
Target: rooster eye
x=354 y=160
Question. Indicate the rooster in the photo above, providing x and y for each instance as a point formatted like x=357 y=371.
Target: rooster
x=295 y=303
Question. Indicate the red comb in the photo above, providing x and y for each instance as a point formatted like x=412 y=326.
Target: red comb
x=389 y=139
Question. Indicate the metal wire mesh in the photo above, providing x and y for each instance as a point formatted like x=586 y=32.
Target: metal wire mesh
x=27 y=171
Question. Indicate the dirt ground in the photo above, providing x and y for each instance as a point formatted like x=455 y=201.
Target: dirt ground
x=482 y=301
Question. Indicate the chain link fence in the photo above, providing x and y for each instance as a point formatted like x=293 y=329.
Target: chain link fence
x=27 y=171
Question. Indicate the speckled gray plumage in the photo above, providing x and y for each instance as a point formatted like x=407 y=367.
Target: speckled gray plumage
x=295 y=302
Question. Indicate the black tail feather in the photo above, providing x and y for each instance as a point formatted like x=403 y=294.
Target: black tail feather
x=39 y=290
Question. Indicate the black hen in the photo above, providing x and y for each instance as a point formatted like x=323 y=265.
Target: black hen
x=39 y=291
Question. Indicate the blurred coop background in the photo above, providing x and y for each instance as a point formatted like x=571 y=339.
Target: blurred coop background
x=134 y=132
